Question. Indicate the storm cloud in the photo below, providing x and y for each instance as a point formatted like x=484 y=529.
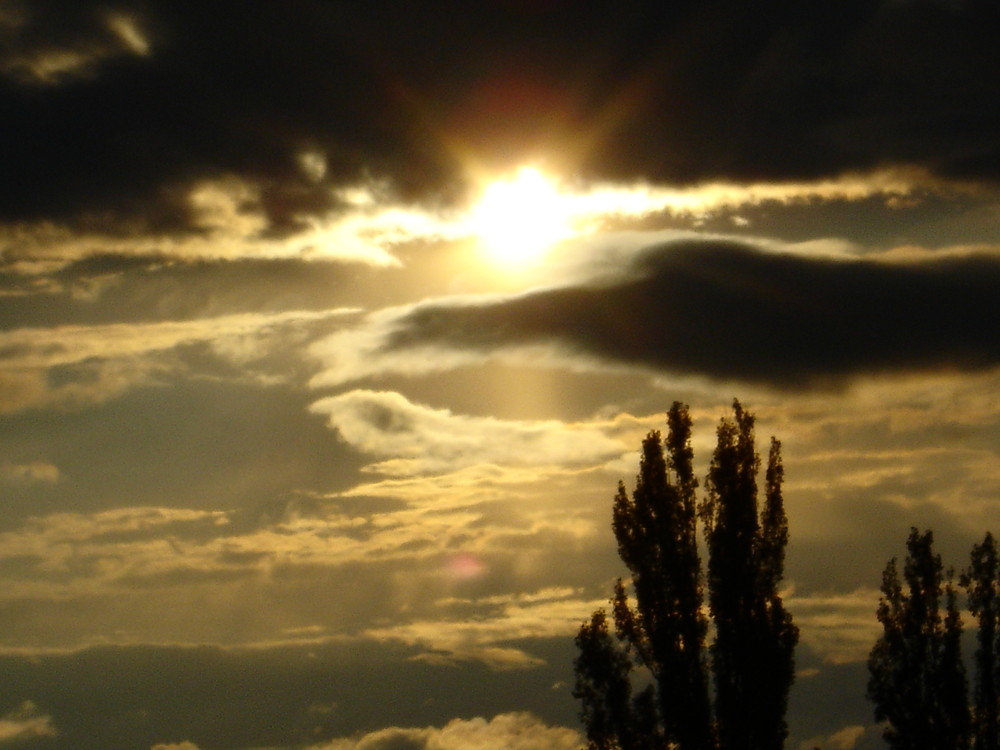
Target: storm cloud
x=285 y=697
x=734 y=312
x=115 y=115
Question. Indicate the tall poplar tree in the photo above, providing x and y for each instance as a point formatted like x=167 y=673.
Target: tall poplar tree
x=916 y=677
x=662 y=633
x=753 y=653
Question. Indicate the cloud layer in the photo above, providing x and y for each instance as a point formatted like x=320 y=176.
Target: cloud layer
x=165 y=97
x=723 y=309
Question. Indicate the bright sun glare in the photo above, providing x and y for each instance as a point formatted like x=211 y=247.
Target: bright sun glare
x=518 y=219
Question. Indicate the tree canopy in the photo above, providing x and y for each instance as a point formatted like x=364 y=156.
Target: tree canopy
x=917 y=680
x=733 y=693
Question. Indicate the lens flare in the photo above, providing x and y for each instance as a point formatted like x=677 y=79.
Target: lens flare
x=465 y=566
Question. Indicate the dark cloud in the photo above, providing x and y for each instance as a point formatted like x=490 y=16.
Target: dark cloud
x=675 y=91
x=136 y=697
x=227 y=88
x=277 y=697
x=730 y=311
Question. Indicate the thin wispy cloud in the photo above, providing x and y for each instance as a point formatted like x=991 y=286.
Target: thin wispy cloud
x=114 y=358
x=25 y=723
x=417 y=439
x=556 y=614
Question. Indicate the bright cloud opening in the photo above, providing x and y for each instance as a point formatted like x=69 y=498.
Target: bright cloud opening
x=516 y=220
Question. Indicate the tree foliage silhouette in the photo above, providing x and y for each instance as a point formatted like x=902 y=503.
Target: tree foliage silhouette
x=981 y=581
x=752 y=656
x=916 y=677
x=661 y=637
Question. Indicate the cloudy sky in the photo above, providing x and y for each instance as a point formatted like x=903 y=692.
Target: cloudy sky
x=327 y=330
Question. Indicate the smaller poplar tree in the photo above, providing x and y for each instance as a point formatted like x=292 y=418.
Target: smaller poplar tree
x=916 y=676
x=981 y=581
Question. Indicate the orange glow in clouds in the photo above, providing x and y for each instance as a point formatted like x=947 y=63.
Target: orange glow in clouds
x=464 y=566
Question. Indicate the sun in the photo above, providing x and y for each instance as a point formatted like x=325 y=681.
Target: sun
x=516 y=220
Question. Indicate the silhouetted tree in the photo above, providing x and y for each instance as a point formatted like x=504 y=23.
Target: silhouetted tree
x=753 y=653
x=981 y=582
x=614 y=719
x=663 y=634
x=916 y=677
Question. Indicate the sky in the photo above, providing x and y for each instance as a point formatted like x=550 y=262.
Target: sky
x=328 y=329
